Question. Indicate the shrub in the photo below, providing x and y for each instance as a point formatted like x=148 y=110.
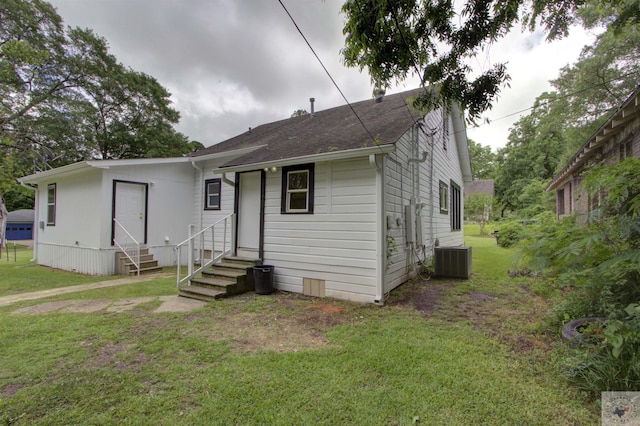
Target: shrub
x=612 y=360
x=510 y=233
x=598 y=266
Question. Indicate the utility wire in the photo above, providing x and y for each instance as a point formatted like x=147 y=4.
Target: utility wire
x=568 y=95
x=327 y=71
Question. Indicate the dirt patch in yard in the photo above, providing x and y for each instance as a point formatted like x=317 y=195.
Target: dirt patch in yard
x=10 y=389
x=118 y=356
x=286 y=323
x=423 y=295
x=494 y=315
x=251 y=332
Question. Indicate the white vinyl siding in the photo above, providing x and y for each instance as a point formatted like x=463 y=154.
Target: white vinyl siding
x=81 y=239
x=446 y=168
x=337 y=243
x=428 y=183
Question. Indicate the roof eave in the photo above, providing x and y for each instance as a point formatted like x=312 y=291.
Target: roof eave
x=462 y=143
x=627 y=112
x=313 y=158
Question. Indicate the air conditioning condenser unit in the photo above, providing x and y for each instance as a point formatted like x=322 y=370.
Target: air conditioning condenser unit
x=454 y=262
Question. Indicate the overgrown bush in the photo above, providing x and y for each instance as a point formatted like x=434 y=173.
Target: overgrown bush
x=598 y=267
x=510 y=233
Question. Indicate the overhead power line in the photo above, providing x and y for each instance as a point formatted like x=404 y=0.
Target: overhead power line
x=327 y=71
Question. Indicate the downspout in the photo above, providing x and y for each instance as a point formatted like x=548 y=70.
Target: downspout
x=228 y=181
x=36 y=220
x=381 y=234
x=416 y=199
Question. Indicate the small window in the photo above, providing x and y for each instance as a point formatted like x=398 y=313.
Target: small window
x=626 y=150
x=212 y=194
x=51 y=204
x=560 y=207
x=297 y=189
x=444 y=198
x=456 y=207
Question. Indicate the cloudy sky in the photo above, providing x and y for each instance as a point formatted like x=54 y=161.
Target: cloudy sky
x=231 y=65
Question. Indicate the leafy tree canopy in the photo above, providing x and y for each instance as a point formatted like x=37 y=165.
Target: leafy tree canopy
x=483 y=161
x=62 y=92
x=585 y=95
x=436 y=40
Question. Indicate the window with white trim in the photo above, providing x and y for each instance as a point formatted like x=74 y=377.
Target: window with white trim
x=297 y=189
x=51 y=204
x=212 y=194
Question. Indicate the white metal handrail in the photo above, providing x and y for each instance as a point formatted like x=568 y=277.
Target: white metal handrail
x=123 y=247
x=204 y=240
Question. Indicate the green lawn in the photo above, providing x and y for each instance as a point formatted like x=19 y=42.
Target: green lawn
x=478 y=356
x=19 y=275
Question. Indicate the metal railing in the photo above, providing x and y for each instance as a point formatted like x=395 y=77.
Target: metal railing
x=204 y=242
x=130 y=247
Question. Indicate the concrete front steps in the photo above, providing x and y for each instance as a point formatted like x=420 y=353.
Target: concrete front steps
x=148 y=265
x=233 y=275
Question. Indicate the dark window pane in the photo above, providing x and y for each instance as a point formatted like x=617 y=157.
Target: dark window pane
x=298 y=180
x=214 y=200
x=298 y=201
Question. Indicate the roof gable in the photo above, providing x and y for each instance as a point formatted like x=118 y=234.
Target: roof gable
x=332 y=130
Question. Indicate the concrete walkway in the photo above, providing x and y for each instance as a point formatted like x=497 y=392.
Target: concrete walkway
x=8 y=300
x=169 y=303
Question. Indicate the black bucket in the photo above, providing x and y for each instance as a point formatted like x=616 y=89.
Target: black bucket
x=263 y=279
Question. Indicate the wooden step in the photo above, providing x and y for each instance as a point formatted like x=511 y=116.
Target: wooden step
x=221 y=284
x=147 y=270
x=201 y=293
x=143 y=252
x=148 y=265
x=143 y=258
x=231 y=276
x=216 y=271
x=242 y=260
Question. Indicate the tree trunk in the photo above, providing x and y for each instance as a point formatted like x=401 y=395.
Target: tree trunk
x=3 y=222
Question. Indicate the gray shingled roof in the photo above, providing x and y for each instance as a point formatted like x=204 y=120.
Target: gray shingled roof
x=21 y=216
x=480 y=185
x=331 y=130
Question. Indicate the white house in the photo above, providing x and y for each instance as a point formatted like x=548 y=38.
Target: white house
x=345 y=202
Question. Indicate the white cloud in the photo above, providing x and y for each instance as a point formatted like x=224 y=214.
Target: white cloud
x=234 y=65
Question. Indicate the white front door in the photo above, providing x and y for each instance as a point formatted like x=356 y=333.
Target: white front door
x=249 y=214
x=130 y=211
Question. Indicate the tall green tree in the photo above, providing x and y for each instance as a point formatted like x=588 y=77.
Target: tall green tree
x=483 y=161
x=532 y=152
x=62 y=92
x=438 y=41
x=585 y=95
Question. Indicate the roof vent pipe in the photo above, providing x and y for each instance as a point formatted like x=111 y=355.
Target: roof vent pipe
x=312 y=100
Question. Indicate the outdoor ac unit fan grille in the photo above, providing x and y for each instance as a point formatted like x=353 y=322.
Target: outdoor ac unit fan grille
x=453 y=262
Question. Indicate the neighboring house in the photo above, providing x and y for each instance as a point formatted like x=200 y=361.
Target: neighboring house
x=485 y=186
x=480 y=186
x=616 y=139
x=342 y=205
x=20 y=225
